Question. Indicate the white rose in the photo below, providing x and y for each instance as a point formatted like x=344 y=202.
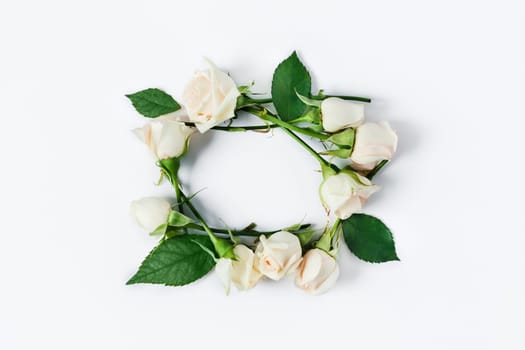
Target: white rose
x=241 y=272
x=210 y=98
x=317 y=272
x=277 y=255
x=150 y=212
x=374 y=142
x=244 y=276
x=338 y=114
x=346 y=193
x=224 y=270
x=165 y=137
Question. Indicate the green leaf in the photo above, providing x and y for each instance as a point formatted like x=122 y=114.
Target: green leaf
x=159 y=231
x=178 y=219
x=308 y=101
x=305 y=236
x=369 y=239
x=340 y=153
x=206 y=249
x=289 y=79
x=152 y=103
x=175 y=262
x=344 y=138
x=327 y=171
x=250 y=226
x=223 y=248
x=170 y=166
x=246 y=89
x=310 y=115
x=174 y=231
x=313 y=115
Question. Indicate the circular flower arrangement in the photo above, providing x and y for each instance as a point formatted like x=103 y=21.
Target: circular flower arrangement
x=189 y=248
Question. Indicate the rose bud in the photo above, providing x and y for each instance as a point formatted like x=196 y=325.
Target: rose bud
x=346 y=193
x=337 y=114
x=317 y=272
x=374 y=142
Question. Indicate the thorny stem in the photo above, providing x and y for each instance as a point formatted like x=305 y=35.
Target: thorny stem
x=264 y=114
x=376 y=169
x=247 y=233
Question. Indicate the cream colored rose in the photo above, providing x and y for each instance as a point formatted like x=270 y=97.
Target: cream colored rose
x=245 y=275
x=210 y=98
x=346 y=193
x=150 y=212
x=277 y=255
x=317 y=272
x=166 y=137
x=224 y=270
x=241 y=272
x=338 y=114
x=374 y=142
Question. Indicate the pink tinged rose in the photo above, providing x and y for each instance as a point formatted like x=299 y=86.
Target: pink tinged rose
x=317 y=272
x=245 y=276
x=165 y=137
x=277 y=255
x=210 y=98
x=346 y=193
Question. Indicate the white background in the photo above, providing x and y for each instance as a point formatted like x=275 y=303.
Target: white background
x=448 y=75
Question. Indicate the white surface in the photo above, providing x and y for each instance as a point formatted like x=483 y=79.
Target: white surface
x=448 y=75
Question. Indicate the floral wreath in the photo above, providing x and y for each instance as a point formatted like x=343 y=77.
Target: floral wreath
x=189 y=248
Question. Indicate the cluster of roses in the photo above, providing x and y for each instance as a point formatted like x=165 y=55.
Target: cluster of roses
x=275 y=256
x=211 y=98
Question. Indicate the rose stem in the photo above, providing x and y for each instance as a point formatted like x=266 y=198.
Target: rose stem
x=264 y=114
x=245 y=128
x=376 y=169
x=239 y=128
x=199 y=217
x=350 y=98
x=258 y=100
x=248 y=233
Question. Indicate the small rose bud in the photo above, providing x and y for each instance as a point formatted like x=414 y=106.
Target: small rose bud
x=241 y=271
x=165 y=137
x=210 y=98
x=277 y=255
x=374 y=142
x=345 y=193
x=317 y=272
x=338 y=114
x=245 y=275
x=224 y=270
x=150 y=212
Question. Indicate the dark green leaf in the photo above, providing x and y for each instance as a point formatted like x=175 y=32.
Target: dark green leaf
x=152 y=103
x=174 y=231
x=250 y=226
x=289 y=79
x=176 y=261
x=369 y=239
